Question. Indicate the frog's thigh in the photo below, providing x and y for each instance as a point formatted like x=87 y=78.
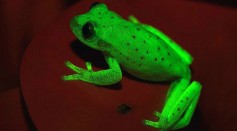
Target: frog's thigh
x=176 y=90
x=184 y=121
x=186 y=104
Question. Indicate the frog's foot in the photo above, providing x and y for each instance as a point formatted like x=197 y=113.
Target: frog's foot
x=81 y=73
x=102 y=77
x=161 y=124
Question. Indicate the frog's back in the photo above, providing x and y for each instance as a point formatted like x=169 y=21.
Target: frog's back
x=144 y=54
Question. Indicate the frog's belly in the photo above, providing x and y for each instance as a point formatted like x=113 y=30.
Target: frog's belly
x=158 y=72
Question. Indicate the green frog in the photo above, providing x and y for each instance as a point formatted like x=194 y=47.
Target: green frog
x=144 y=52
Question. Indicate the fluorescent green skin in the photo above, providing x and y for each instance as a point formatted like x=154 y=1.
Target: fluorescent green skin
x=144 y=52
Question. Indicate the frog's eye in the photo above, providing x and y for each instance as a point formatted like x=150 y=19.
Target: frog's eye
x=88 y=30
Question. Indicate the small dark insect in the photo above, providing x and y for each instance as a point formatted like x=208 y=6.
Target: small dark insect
x=124 y=109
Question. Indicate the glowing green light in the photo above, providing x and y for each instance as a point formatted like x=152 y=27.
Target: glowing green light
x=144 y=52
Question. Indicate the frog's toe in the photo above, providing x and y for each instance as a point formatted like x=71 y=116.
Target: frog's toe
x=162 y=123
x=72 y=77
x=67 y=62
x=74 y=67
x=151 y=123
x=89 y=66
x=157 y=114
x=64 y=78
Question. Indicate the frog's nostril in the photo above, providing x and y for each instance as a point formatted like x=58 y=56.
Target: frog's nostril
x=73 y=23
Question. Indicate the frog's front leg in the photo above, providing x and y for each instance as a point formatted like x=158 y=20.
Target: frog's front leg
x=103 y=77
x=179 y=107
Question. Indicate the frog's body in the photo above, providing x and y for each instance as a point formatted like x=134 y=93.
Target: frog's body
x=139 y=52
x=142 y=51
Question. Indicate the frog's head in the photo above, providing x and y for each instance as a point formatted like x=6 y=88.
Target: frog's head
x=90 y=27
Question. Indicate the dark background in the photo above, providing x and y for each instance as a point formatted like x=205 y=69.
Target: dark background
x=21 y=20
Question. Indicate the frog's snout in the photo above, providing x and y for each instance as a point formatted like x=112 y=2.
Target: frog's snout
x=74 y=23
x=75 y=27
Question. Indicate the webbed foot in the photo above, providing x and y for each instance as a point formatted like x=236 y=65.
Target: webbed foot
x=161 y=124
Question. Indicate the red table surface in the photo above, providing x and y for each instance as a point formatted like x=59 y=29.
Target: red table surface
x=207 y=32
x=13 y=113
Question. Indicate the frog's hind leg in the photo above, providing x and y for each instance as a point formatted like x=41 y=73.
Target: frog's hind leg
x=184 y=121
x=179 y=107
x=181 y=103
x=187 y=58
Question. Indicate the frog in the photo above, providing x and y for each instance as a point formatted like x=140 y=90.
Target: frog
x=143 y=51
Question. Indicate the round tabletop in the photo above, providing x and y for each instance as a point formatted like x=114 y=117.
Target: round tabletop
x=54 y=104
